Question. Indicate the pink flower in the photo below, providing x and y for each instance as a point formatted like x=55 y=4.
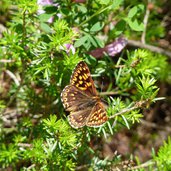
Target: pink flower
x=68 y=48
x=116 y=47
x=45 y=2
x=111 y=49
x=42 y=3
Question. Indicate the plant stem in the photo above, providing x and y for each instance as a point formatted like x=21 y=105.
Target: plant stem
x=136 y=106
x=98 y=12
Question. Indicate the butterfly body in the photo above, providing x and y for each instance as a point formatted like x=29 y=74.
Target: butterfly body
x=81 y=99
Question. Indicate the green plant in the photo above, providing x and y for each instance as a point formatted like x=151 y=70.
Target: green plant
x=163 y=157
x=35 y=133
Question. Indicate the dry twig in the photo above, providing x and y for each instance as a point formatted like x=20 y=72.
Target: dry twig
x=149 y=47
x=145 y=25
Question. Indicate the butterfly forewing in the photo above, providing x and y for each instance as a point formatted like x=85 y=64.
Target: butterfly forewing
x=75 y=100
x=82 y=79
x=80 y=98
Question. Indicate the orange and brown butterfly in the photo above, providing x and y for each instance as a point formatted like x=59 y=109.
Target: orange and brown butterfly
x=81 y=99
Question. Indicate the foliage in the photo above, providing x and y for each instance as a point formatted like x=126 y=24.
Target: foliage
x=37 y=136
x=163 y=157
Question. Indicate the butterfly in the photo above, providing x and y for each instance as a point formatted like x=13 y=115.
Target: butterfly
x=81 y=99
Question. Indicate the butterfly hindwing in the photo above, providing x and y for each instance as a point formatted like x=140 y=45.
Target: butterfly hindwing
x=79 y=119
x=97 y=116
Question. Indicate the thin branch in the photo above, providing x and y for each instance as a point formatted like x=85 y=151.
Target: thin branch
x=136 y=106
x=24 y=145
x=145 y=25
x=98 y=12
x=120 y=66
x=24 y=28
x=23 y=67
x=146 y=164
x=149 y=47
x=11 y=99
x=153 y=125
x=109 y=93
x=6 y=61
x=82 y=167
x=123 y=111
x=149 y=163
x=17 y=82
x=31 y=167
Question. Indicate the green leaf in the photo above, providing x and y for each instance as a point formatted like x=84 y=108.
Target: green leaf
x=92 y=40
x=126 y=122
x=141 y=7
x=91 y=60
x=110 y=127
x=116 y=4
x=82 y=8
x=81 y=41
x=45 y=27
x=104 y=2
x=45 y=17
x=135 y=25
x=120 y=27
x=96 y=27
x=133 y=12
x=163 y=157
